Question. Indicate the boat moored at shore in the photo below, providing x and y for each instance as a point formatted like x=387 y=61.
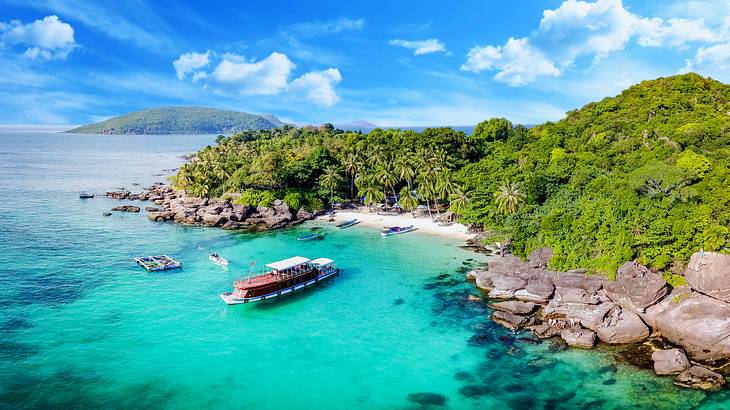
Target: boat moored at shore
x=397 y=230
x=284 y=277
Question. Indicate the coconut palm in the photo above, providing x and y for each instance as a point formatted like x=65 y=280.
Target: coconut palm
x=330 y=179
x=351 y=163
x=425 y=190
x=407 y=200
x=404 y=168
x=459 y=201
x=369 y=188
x=387 y=177
x=509 y=198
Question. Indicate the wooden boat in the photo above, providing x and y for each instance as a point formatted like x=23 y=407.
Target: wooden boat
x=217 y=259
x=311 y=237
x=84 y=195
x=160 y=262
x=397 y=230
x=284 y=277
x=348 y=224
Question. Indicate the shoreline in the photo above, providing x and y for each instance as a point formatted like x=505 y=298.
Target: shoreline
x=423 y=223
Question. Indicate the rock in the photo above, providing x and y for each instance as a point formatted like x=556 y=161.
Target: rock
x=636 y=287
x=506 y=265
x=709 y=273
x=152 y=209
x=575 y=295
x=213 y=209
x=536 y=292
x=428 y=399
x=577 y=337
x=696 y=322
x=698 y=377
x=505 y=286
x=670 y=361
x=231 y=225
x=126 y=208
x=303 y=215
x=545 y=330
x=514 y=306
x=539 y=258
x=509 y=320
x=483 y=279
x=472 y=274
x=573 y=279
x=588 y=316
x=622 y=326
x=473 y=298
x=213 y=220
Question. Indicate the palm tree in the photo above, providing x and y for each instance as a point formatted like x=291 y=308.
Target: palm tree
x=509 y=198
x=444 y=184
x=459 y=201
x=330 y=179
x=425 y=190
x=404 y=168
x=385 y=175
x=369 y=187
x=351 y=163
x=407 y=200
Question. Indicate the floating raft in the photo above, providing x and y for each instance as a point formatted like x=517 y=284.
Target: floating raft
x=160 y=262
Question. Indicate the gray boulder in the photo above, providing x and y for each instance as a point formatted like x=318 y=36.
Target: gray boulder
x=622 y=326
x=588 y=316
x=514 y=306
x=577 y=337
x=573 y=279
x=702 y=378
x=636 y=287
x=545 y=330
x=698 y=323
x=539 y=258
x=213 y=220
x=575 y=295
x=505 y=286
x=509 y=320
x=536 y=292
x=670 y=361
x=303 y=214
x=709 y=273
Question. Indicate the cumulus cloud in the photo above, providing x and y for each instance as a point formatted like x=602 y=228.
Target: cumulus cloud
x=190 y=63
x=713 y=61
x=420 y=47
x=265 y=77
x=580 y=28
x=318 y=86
x=45 y=39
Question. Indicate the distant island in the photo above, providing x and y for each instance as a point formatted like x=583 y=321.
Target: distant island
x=181 y=120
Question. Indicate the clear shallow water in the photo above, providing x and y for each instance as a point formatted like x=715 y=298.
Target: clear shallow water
x=82 y=326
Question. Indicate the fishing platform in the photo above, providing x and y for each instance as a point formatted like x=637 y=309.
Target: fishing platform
x=160 y=262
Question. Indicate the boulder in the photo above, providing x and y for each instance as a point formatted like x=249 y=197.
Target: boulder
x=636 y=287
x=509 y=320
x=588 y=316
x=696 y=322
x=709 y=273
x=698 y=377
x=577 y=337
x=670 y=361
x=505 y=286
x=303 y=214
x=622 y=326
x=506 y=265
x=536 y=292
x=213 y=220
x=539 y=258
x=483 y=279
x=152 y=209
x=574 y=279
x=213 y=209
x=126 y=208
x=546 y=330
x=514 y=306
x=575 y=295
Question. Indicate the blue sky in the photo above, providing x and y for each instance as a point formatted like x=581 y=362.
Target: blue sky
x=389 y=62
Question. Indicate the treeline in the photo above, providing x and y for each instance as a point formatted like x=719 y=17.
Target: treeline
x=643 y=175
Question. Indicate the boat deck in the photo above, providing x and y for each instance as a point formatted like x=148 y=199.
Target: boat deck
x=159 y=262
x=230 y=299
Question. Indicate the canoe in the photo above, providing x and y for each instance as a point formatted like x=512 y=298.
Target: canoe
x=311 y=237
x=348 y=224
x=397 y=230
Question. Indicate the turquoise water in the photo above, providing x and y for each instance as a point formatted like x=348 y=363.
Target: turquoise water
x=81 y=326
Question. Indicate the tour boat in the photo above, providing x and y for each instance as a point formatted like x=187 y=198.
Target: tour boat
x=284 y=277
x=217 y=259
x=397 y=230
x=348 y=224
x=84 y=195
x=311 y=236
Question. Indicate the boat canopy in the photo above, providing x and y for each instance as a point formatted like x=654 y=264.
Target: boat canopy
x=322 y=262
x=288 y=263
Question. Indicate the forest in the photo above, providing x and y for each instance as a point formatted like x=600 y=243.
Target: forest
x=641 y=176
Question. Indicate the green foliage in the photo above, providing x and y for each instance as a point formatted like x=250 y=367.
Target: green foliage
x=675 y=280
x=255 y=197
x=179 y=120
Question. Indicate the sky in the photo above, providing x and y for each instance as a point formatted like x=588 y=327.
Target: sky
x=393 y=63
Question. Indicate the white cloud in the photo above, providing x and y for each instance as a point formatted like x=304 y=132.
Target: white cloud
x=190 y=63
x=318 y=86
x=265 y=77
x=315 y=28
x=45 y=39
x=420 y=47
x=713 y=61
x=580 y=28
x=517 y=62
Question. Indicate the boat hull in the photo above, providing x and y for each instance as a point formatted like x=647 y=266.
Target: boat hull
x=233 y=300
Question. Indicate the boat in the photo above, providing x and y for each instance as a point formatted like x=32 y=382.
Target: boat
x=397 y=230
x=84 y=195
x=107 y=214
x=217 y=259
x=282 y=278
x=159 y=262
x=311 y=236
x=348 y=224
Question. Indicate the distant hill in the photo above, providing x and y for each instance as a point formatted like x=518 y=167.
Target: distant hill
x=356 y=125
x=181 y=120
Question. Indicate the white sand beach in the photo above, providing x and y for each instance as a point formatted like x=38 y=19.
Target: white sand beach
x=423 y=223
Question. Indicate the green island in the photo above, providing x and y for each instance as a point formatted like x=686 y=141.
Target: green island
x=641 y=176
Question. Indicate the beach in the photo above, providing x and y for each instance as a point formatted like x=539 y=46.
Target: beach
x=423 y=223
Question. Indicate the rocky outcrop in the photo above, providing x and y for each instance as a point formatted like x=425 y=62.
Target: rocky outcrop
x=670 y=361
x=698 y=377
x=509 y=320
x=505 y=286
x=126 y=208
x=577 y=337
x=514 y=306
x=622 y=326
x=709 y=273
x=636 y=287
x=536 y=292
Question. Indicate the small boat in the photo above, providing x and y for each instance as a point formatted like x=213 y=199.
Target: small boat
x=107 y=214
x=348 y=224
x=160 y=262
x=284 y=277
x=311 y=236
x=397 y=230
x=217 y=259
x=84 y=195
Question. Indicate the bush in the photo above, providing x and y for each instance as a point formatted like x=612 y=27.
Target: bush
x=255 y=197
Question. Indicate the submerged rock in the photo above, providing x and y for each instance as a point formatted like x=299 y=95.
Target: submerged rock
x=698 y=377
x=428 y=399
x=670 y=361
x=709 y=273
x=126 y=208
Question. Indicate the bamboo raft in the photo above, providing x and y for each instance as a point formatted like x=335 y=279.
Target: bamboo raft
x=160 y=262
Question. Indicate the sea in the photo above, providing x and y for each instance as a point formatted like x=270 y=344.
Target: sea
x=81 y=326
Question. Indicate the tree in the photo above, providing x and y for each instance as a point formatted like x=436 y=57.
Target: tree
x=405 y=169
x=426 y=191
x=492 y=130
x=351 y=163
x=387 y=178
x=459 y=202
x=408 y=201
x=370 y=189
x=330 y=179
x=509 y=198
